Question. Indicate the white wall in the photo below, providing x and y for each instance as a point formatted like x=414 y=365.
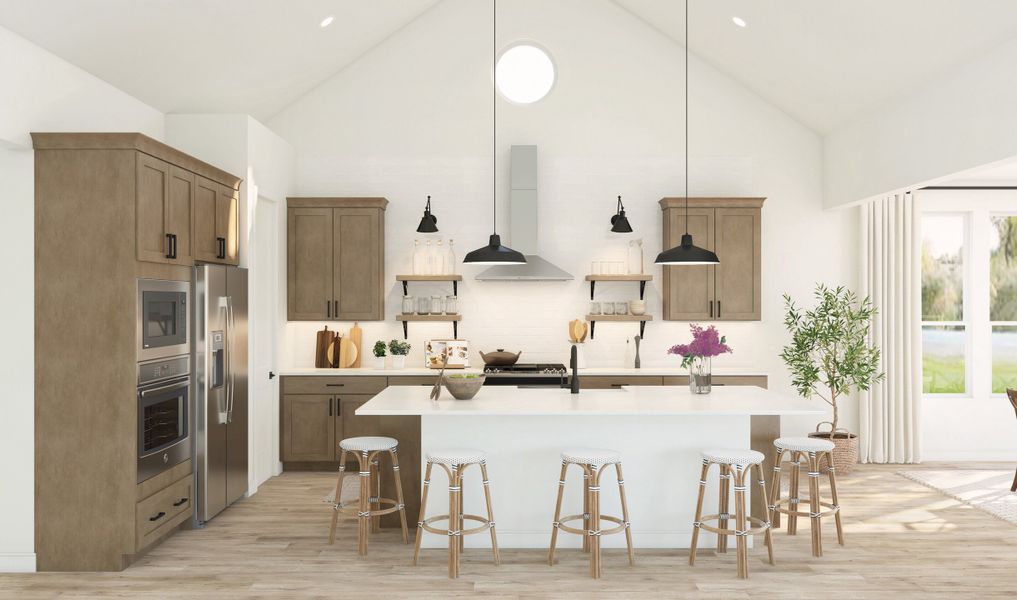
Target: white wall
x=413 y=117
x=243 y=146
x=962 y=120
x=40 y=92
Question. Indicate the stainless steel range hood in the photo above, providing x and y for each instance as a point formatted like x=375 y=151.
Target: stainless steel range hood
x=523 y=225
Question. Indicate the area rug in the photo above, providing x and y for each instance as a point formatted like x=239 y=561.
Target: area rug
x=986 y=490
x=351 y=490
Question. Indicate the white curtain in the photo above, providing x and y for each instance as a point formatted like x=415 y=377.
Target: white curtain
x=889 y=413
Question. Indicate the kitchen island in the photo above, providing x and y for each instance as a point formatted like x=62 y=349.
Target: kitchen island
x=659 y=430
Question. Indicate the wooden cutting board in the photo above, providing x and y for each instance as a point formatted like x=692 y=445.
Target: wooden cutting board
x=324 y=341
x=356 y=337
x=348 y=353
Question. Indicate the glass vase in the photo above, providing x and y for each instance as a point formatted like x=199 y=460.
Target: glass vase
x=699 y=376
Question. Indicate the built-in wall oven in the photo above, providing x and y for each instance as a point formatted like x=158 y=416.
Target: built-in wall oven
x=164 y=326
x=164 y=401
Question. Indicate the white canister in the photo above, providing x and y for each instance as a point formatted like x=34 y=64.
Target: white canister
x=637 y=307
x=379 y=362
x=398 y=361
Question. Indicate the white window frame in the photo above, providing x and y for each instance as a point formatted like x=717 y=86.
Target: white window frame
x=979 y=206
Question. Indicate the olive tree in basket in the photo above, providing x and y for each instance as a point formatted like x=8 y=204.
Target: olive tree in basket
x=829 y=355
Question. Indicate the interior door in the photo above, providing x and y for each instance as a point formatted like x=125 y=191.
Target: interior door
x=738 y=246
x=264 y=324
x=179 y=207
x=237 y=430
x=150 y=206
x=309 y=264
x=690 y=288
x=357 y=264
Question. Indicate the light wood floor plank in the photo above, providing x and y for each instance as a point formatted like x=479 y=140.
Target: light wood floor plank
x=904 y=541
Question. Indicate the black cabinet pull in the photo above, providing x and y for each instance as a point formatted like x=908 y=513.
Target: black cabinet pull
x=338 y=411
x=169 y=245
x=718 y=309
x=335 y=385
x=328 y=308
x=335 y=311
x=180 y=502
x=220 y=247
x=158 y=516
x=711 y=309
x=330 y=407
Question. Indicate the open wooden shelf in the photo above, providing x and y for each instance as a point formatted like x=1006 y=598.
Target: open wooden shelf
x=642 y=279
x=641 y=319
x=454 y=319
x=455 y=279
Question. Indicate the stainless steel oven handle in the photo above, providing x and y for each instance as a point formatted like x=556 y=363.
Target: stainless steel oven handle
x=182 y=384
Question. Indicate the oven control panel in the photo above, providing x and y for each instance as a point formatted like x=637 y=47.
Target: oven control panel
x=167 y=368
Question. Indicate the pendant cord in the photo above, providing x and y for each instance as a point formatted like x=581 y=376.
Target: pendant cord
x=494 y=113
x=686 y=117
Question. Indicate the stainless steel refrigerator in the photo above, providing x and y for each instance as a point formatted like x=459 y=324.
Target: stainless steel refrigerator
x=220 y=405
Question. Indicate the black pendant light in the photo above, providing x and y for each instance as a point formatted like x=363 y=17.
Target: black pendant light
x=619 y=222
x=429 y=222
x=686 y=253
x=494 y=253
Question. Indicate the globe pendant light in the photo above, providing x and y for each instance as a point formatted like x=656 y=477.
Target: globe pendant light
x=686 y=253
x=494 y=253
x=619 y=222
x=429 y=222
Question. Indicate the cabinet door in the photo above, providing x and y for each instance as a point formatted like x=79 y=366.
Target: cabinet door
x=309 y=264
x=358 y=425
x=206 y=195
x=688 y=294
x=308 y=428
x=179 y=207
x=738 y=278
x=358 y=264
x=227 y=227
x=151 y=206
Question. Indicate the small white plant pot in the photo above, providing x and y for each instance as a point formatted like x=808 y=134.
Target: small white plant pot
x=379 y=362
x=398 y=361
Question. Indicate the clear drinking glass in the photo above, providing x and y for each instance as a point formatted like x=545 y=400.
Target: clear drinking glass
x=594 y=308
x=408 y=305
x=621 y=308
x=451 y=305
x=423 y=305
x=436 y=305
x=609 y=308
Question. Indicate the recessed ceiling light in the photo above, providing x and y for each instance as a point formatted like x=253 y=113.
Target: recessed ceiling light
x=737 y=21
x=328 y=21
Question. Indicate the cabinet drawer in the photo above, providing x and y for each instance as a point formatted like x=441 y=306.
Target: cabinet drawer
x=756 y=380
x=162 y=511
x=333 y=385
x=607 y=382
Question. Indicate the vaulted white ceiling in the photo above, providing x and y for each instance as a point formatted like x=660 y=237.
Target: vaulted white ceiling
x=825 y=61
x=215 y=56
x=821 y=61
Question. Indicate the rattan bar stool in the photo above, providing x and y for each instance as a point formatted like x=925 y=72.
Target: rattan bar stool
x=814 y=449
x=455 y=462
x=368 y=510
x=593 y=463
x=734 y=467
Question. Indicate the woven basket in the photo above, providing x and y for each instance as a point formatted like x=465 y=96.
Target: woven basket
x=845 y=449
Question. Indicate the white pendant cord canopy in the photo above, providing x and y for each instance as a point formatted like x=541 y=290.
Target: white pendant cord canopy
x=686 y=253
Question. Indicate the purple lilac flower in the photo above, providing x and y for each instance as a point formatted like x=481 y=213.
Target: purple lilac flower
x=706 y=342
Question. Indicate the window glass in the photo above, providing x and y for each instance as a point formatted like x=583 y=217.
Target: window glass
x=943 y=267
x=943 y=350
x=1003 y=269
x=1004 y=358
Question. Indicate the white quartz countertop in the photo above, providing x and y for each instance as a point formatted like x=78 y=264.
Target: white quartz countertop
x=635 y=400
x=589 y=371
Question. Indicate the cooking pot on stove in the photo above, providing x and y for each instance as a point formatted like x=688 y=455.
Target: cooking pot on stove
x=500 y=358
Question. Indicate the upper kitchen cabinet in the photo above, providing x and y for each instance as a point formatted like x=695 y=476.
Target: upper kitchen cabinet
x=335 y=259
x=216 y=228
x=731 y=290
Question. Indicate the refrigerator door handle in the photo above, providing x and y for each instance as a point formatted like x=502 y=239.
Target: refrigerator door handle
x=230 y=375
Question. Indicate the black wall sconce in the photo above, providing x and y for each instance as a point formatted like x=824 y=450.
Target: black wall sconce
x=429 y=222
x=619 y=222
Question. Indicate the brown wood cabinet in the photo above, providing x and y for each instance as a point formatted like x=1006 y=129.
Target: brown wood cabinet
x=309 y=427
x=92 y=191
x=335 y=259
x=216 y=226
x=731 y=290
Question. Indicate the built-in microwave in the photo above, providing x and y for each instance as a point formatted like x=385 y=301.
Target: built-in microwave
x=164 y=325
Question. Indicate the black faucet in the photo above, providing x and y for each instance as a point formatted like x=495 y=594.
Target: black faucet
x=574 y=364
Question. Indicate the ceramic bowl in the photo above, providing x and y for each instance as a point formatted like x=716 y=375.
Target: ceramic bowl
x=464 y=387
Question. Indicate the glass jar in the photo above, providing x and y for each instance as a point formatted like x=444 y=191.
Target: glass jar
x=436 y=305
x=621 y=308
x=594 y=308
x=451 y=305
x=408 y=305
x=423 y=305
x=609 y=308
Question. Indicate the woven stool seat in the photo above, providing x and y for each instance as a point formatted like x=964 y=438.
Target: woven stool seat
x=456 y=456
x=590 y=456
x=732 y=456
x=368 y=444
x=803 y=444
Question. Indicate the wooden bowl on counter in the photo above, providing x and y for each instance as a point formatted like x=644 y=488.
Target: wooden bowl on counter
x=464 y=386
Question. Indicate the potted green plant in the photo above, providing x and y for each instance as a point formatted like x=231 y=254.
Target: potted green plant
x=399 y=351
x=829 y=355
x=379 y=354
